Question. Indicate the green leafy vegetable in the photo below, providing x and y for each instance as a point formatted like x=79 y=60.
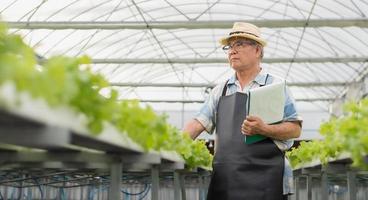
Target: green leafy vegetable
x=346 y=134
x=66 y=81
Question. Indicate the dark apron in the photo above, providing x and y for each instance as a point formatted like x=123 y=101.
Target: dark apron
x=243 y=171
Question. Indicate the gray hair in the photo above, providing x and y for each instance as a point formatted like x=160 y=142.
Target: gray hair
x=257 y=44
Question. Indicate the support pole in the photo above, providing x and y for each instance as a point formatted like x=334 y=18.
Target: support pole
x=182 y=186
x=309 y=186
x=115 y=181
x=297 y=187
x=177 y=191
x=203 y=188
x=324 y=185
x=155 y=183
x=352 y=190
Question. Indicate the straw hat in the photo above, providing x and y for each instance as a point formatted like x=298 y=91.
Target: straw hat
x=246 y=30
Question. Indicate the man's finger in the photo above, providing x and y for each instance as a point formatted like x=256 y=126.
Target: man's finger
x=251 y=118
x=246 y=123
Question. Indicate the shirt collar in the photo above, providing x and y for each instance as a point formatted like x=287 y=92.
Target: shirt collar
x=261 y=78
x=232 y=80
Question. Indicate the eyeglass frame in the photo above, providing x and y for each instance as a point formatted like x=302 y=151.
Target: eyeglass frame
x=239 y=44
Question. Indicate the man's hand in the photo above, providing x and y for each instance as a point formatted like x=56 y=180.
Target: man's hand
x=253 y=125
x=281 y=131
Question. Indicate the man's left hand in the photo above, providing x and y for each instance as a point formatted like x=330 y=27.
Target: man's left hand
x=253 y=125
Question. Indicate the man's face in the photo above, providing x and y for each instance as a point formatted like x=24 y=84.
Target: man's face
x=243 y=53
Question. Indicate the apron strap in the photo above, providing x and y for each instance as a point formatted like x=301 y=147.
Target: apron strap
x=265 y=83
x=225 y=88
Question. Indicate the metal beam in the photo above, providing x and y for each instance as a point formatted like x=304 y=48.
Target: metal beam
x=358 y=22
x=134 y=84
x=31 y=156
x=201 y=101
x=318 y=84
x=223 y=60
x=169 y=101
x=212 y=85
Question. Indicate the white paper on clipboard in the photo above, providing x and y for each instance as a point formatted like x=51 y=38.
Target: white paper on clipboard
x=267 y=102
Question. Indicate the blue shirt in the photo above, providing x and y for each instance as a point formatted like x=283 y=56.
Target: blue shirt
x=207 y=114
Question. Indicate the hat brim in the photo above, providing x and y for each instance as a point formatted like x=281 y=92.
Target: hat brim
x=224 y=41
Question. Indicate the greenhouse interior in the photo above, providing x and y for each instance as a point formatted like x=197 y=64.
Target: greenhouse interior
x=117 y=99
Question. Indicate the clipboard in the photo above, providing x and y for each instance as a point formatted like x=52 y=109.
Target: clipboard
x=267 y=103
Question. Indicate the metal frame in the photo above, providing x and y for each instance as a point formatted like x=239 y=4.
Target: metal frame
x=285 y=23
x=65 y=149
x=326 y=173
x=212 y=85
x=201 y=101
x=222 y=60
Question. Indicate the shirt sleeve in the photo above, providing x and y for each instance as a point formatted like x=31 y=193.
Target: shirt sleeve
x=290 y=111
x=207 y=114
x=290 y=115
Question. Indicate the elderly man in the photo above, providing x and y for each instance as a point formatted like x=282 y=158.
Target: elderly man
x=241 y=170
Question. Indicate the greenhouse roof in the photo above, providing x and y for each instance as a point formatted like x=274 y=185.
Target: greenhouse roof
x=166 y=52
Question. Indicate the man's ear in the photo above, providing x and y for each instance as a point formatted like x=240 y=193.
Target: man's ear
x=259 y=51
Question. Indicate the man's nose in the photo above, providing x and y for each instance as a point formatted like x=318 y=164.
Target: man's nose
x=232 y=51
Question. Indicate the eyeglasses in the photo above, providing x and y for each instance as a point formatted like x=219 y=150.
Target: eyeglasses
x=237 y=45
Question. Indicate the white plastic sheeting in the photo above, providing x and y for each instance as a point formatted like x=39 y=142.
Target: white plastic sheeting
x=331 y=32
